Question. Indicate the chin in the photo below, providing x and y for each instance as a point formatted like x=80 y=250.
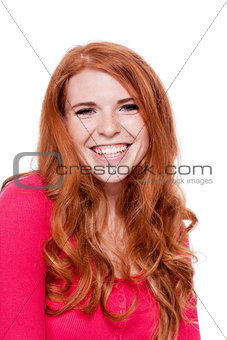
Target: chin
x=111 y=178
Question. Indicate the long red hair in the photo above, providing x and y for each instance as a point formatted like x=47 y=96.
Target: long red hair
x=152 y=207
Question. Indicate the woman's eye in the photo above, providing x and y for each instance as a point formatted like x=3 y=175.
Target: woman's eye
x=89 y=111
x=129 y=107
x=84 y=112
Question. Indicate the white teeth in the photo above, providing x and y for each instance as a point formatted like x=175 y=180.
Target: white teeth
x=110 y=150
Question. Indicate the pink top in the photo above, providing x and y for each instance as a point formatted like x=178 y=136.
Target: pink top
x=25 y=225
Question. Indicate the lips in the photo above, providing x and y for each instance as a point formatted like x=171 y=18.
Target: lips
x=110 y=148
x=110 y=156
x=101 y=146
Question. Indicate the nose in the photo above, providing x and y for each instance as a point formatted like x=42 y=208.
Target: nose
x=108 y=125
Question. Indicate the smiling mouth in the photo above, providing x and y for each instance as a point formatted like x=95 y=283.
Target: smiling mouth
x=111 y=151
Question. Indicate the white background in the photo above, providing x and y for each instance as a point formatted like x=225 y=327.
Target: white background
x=165 y=33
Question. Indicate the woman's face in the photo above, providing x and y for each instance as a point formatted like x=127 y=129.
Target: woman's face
x=106 y=126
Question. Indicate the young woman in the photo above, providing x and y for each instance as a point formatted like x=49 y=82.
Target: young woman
x=104 y=252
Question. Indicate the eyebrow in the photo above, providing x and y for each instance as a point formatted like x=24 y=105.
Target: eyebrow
x=120 y=101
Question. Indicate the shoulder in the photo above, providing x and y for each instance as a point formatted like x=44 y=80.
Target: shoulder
x=27 y=206
x=29 y=182
x=24 y=227
x=26 y=189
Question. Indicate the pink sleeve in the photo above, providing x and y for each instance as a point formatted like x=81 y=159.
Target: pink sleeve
x=189 y=331
x=24 y=226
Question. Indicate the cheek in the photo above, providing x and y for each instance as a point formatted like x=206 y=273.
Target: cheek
x=77 y=133
x=77 y=137
x=144 y=140
x=140 y=130
x=136 y=126
x=146 y=137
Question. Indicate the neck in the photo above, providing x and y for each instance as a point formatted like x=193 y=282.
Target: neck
x=112 y=191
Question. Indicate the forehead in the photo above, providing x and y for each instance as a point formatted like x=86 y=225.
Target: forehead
x=95 y=84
